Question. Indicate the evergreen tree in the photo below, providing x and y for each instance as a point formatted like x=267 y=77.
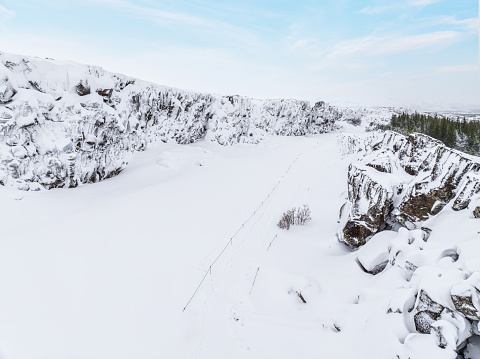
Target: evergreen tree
x=456 y=133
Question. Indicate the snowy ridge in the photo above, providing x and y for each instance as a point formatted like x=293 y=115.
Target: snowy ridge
x=429 y=195
x=63 y=124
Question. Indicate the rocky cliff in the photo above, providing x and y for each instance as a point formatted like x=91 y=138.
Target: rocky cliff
x=63 y=124
x=404 y=181
x=413 y=207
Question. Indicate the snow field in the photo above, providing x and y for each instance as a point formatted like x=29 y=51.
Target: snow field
x=106 y=270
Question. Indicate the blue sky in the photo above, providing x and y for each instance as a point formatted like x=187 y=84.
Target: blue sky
x=410 y=52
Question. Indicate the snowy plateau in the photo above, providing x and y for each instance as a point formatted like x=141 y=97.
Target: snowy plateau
x=140 y=221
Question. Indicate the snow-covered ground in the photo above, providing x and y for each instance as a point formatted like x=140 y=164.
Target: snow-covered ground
x=179 y=256
x=105 y=270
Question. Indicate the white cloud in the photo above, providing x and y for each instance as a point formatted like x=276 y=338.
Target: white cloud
x=307 y=47
x=459 y=68
x=469 y=23
x=375 y=10
x=421 y=2
x=239 y=36
x=162 y=17
x=5 y=14
x=418 y=42
x=394 y=44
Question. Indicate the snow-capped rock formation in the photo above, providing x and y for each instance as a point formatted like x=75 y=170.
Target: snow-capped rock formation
x=404 y=180
x=63 y=124
x=413 y=185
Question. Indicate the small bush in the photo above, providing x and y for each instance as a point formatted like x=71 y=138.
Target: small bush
x=297 y=216
x=303 y=215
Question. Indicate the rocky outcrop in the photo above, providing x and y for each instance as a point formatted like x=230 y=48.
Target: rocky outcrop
x=427 y=312
x=405 y=180
x=64 y=124
x=476 y=212
x=368 y=207
x=408 y=184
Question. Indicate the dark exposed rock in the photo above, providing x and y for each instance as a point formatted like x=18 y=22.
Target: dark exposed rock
x=464 y=305
x=369 y=206
x=355 y=234
x=122 y=82
x=35 y=85
x=410 y=266
x=417 y=207
x=423 y=321
x=466 y=295
x=379 y=167
x=425 y=303
x=426 y=233
x=7 y=91
x=82 y=88
x=428 y=311
x=470 y=187
x=378 y=268
x=476 y=212
x=437 y=207
x=105 y=92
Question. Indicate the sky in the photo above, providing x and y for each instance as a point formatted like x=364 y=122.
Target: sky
x=415 y=53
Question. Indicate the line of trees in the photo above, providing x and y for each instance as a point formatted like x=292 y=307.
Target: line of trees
x=460 y=134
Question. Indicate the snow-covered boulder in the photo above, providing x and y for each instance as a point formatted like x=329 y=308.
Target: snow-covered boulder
x=374 y=256
x=400 y=191
x=465 y=297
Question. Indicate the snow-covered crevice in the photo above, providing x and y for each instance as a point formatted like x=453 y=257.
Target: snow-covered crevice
x=63 y=124
x=430 y=196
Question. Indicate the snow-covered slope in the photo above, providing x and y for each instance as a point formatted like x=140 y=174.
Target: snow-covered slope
x=63 y=124
x=430 y=195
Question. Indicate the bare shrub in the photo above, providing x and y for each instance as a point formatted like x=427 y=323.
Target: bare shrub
x=288 y=219
x=298 y=216
x=284 y=223
x=303 y=215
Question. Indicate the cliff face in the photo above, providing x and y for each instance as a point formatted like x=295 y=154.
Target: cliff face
x=63 y=124
x=404 y=181
x=429 y=195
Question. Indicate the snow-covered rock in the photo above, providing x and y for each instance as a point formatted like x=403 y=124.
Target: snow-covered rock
x=405 y=180
x=80 y=124
x=374 y=256
x=410 y=185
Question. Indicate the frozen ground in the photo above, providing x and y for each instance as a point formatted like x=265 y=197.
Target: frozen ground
x=104 y=270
